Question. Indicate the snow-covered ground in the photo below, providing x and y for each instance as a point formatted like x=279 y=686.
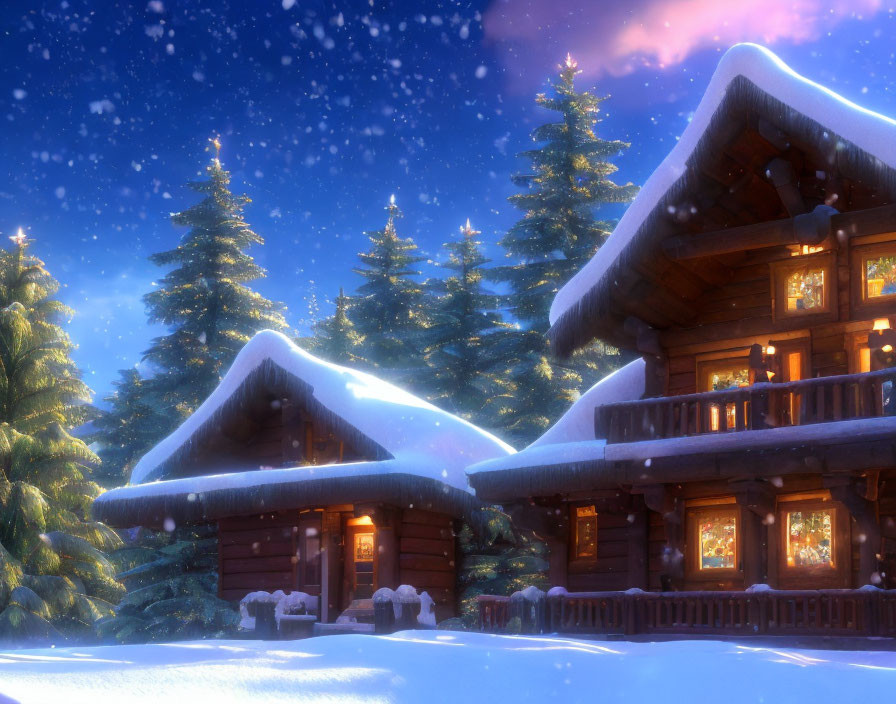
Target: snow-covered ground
x=438 y=666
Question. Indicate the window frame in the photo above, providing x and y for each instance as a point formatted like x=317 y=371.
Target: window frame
x=781 y=270
x=692 y=546
x=879 y=305
x=574 y=557
x=814 y=576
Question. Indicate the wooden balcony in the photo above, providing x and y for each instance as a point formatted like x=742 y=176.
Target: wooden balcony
x=826 y=612
x=760 y=406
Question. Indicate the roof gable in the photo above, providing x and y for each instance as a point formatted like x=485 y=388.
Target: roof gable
x=749 y=78
x=383 y=420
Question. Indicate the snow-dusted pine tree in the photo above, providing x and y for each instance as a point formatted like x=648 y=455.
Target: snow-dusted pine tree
x=172 y=583
x=389 y=308
x=128 y=429
x=211 y=314
x=335 y=338
x=55 y=580
x=459 y=375
x=559 y=233
x=204 y=299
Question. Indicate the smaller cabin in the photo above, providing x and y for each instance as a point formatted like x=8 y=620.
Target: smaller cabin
x=320 y=478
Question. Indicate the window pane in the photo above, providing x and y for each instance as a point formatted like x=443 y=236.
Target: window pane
x=718 y=541
x=805 y=290
x=586 y=532
x=810 y=538
x=731 y=378
x=364 y=548
x=880 y=277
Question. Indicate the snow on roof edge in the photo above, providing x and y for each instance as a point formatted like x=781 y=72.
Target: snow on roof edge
x=868 y=130
x=375 y=407
x=572 y=438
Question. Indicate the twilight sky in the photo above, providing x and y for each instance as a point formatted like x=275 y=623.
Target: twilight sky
x=326 y=108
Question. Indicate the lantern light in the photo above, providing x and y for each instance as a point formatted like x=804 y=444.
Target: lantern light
x=770 y=350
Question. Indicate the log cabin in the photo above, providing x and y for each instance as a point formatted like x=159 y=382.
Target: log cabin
x=320 y=478
x=753 y=439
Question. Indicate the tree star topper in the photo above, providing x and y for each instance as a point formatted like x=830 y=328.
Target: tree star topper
x=19 y=238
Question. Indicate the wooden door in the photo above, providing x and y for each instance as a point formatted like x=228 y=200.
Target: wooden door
x=360 y=562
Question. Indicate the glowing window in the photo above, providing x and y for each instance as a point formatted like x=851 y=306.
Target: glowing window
x=880 y=276
x=586 y=533
x=717 y=538
x=728 y=378
x=364 y=547
x=805 y=290
x=810 y=538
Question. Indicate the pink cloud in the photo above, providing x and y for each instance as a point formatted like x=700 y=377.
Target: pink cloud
x=618 y=37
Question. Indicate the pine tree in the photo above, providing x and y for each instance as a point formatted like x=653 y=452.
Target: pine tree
x=569 y=179
x=172 y=582
x=204 y=299
x=128 y=429
x=496 y=559
x=335 y=338
x=389 y=309
x=211 y=314
x=459 y=377
x=55 y=580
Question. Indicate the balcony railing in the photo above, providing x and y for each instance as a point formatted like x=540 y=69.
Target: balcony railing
x=766 y=405
x=826 y=612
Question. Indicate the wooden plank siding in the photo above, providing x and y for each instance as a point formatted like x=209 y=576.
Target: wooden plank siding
x=427 y=557
x=610 y=570
x=257 y=553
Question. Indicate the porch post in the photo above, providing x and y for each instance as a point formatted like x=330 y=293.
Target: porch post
x=859 y=495
x=638 y=575
x=662 y=499
x=756 y=502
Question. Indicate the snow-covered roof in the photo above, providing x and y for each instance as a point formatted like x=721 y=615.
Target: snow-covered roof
x=416 y=439
x=571 y=440
x=868 y=131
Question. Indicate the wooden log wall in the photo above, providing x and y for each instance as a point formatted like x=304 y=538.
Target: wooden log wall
x=427 y=558
x=610 y=571
x=256 y=553
x=739 y=311
x=887 y=516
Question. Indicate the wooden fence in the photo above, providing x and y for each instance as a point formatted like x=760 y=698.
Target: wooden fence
x=833 y=612
x=806 y=402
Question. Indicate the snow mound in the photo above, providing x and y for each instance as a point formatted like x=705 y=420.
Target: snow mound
x=571 y=439
x=444 y=666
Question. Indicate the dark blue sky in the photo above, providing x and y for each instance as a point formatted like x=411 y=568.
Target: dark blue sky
x=325 y=109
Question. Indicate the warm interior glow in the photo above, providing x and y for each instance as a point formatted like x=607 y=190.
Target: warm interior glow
x=586 y=533
x=865 y=359
x=717 y=538
x=804 y=290
x=362 y=521
x=810 y=538
x=880 y=276
x=881 y=324
x=887 y=348
x=770 y=350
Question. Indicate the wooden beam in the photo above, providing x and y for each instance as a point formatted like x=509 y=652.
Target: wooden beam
x=870 y=221
x=809 y=228
x=780 y=172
